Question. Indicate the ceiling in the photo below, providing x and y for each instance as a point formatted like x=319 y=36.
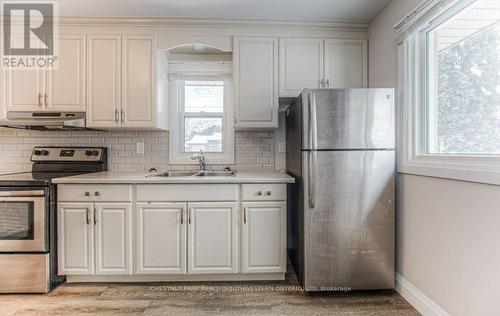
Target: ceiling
x=325 y=10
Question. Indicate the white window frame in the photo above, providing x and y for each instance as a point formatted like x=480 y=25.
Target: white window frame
x=412 y=98
x=203 y=72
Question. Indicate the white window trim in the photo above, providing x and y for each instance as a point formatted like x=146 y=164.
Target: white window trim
x=176 y=152
x=411 y=52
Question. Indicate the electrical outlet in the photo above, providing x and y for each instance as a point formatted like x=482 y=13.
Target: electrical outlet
x=140 y=148
x=282 y=147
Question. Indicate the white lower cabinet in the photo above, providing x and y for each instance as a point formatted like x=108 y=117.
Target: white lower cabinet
x=161 y=238
x=119 y=232
x=113 y=238
x=212 y=237
x=263 y=237
x=75 y=238
x=95 y=238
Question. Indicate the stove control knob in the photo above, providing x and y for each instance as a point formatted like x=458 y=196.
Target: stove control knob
x=91 y=153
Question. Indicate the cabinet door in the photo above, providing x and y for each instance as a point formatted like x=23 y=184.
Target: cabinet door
x=263 y=237
x=65 y=87
x=75 y=238
x=212 y=241
x=301 y=65
x=138 y=81
x=113 y=238
x=255 y=62
x=104 y=80
x=161 y=238
x=346 y=63
x=23 y=90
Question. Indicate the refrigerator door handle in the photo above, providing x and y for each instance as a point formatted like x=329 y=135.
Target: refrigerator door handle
x=311 y=181
x=313 y=122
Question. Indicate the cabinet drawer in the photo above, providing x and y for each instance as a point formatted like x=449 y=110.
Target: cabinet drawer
x=94 y=192
x=187 y=192
x=263 y=192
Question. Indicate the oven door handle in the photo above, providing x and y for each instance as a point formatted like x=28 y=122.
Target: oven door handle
x=21 y=193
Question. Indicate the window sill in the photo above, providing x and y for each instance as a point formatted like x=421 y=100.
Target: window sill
x=455 y=171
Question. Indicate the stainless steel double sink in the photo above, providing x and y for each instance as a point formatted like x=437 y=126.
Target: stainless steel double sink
x=194 y=174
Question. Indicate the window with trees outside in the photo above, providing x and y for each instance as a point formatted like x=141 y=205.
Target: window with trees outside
x=449 y=90
x=463 y=99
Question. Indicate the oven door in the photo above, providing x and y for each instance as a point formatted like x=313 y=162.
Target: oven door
x=22 y=221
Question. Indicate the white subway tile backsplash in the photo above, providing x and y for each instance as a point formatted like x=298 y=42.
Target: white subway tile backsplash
x=254 y=151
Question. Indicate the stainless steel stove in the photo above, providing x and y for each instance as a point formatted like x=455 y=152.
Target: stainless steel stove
x=28 y=235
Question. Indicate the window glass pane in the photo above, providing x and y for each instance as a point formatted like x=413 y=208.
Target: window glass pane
x=464 y=82
x=204 y=96
x=203 y=133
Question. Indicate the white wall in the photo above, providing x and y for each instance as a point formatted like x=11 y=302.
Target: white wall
x=448 y=232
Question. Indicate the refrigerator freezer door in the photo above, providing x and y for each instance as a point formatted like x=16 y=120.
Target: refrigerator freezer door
x=349 y=233
x=348 y=119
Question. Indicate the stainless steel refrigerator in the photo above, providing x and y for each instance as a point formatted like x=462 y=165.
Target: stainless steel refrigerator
x=340 y=149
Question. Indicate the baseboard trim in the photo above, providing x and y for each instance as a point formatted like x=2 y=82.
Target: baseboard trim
x=422 y=303
x=176 y=278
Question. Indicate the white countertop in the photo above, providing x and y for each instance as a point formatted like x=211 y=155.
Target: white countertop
x=141 y=177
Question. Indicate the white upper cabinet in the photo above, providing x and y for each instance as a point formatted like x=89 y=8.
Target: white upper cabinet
x=59 y=89
x=103 y=80
x=322 y=63
x=346 y=63
x=113 y=238
x=122 y=83
x=65 y=85
x=301 y=65
x=161 y=238
x=24 y=90
x=138 y=83
x=255 y=74
x=212 y=241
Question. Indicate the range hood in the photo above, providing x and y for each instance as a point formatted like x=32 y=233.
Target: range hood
x=45 y=120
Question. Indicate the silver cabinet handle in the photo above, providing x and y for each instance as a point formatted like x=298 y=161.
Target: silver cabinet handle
x=189 y=216
x=182 y=216
x=87 y=193
x=328 y=83
x=244 y=215
x=87 y=216
x=39 y=100
x=45 y=98
x=122 y=116
x=117 y=119
x=259 y=193
x=268 y=193
x=97 y=193
x=95 y=216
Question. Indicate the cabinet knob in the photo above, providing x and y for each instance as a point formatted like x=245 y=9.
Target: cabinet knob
x=97 y=193
x=259 y=193
x=268 y=192
x=87 y=193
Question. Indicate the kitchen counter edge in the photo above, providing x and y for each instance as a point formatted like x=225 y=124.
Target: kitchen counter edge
x=113 y=177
